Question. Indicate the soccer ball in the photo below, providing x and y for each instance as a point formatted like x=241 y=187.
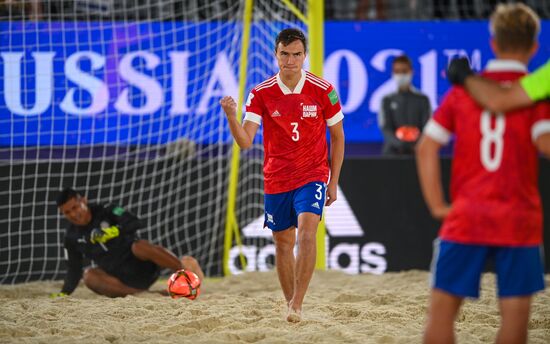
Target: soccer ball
x=184 y=283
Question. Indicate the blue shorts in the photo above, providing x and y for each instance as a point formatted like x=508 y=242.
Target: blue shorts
x=457 y=268
x=282 y=209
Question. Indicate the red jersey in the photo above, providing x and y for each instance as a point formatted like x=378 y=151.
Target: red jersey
x=294 y=125
x=494 y=179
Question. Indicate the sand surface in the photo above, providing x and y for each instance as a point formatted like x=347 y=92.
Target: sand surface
x=249 y=308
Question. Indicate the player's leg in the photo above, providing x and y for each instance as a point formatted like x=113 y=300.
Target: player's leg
x=164 y=258
x=284 y=259
x=514 y=312
x=104 y=284
x=308 y=203
x=305 y=260
x=144 y=250
x=520 y=274
x=280 y=219
x=441 y=317
x=456 y=273
x=191 y=264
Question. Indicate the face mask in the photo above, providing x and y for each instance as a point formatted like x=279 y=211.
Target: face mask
x=402 y=80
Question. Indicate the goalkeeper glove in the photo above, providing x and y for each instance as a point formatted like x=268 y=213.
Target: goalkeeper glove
x=101 y=236
x=58 y=295
x=458 y=70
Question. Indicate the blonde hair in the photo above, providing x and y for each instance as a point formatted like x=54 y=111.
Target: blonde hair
x=515 y=27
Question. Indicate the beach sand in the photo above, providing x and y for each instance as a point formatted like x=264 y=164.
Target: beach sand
x=250 y=308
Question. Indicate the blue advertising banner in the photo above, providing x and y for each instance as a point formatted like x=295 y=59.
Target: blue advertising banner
x=95 y=83
x=359 y=55
x=131 y=83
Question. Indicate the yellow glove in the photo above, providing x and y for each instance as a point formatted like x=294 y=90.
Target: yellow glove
x=58 y=295
x=101 y=236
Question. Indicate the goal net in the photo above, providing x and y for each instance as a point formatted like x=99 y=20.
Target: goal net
x=119 y=99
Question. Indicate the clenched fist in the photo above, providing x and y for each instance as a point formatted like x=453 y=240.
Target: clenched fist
x=229 y=106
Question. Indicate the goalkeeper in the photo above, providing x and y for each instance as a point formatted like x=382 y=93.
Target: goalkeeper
x=107 y=236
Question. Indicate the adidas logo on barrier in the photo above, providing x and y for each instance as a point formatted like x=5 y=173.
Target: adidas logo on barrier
x=340 y=222
x=316 y=205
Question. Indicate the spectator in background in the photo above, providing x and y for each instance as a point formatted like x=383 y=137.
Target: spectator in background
x=341 y=9
x=21 y=10
x=489 y=5
x=465 y=9
x=403 y=113
x=364 y=10
x=35 y=9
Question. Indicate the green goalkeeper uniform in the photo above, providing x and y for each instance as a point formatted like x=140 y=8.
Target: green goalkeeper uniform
x=537 y=84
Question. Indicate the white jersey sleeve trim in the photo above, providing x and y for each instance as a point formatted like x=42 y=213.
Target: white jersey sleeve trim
x=253 y=117
x=540 y=128
x=437 y=132
x=335 y=119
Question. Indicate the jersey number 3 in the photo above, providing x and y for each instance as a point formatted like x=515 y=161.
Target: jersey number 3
x=295 y=132
x=492 y=137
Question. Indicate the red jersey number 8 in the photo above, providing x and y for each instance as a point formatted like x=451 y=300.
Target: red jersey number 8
x=492 y=137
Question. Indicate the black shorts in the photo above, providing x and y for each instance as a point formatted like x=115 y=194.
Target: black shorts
x=137 y=273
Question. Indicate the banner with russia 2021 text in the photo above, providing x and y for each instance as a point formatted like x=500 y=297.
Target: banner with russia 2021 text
x=142 y=83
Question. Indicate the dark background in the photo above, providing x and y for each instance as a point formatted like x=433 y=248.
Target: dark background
x=385 y=196
x=383 y=193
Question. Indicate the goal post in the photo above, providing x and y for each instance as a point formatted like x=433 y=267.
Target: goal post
x=316 y=28
x=231 y=224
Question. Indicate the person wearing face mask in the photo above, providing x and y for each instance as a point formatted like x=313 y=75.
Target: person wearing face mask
x=403 y=113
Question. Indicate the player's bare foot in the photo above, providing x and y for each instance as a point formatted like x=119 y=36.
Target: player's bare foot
x=294 y=315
